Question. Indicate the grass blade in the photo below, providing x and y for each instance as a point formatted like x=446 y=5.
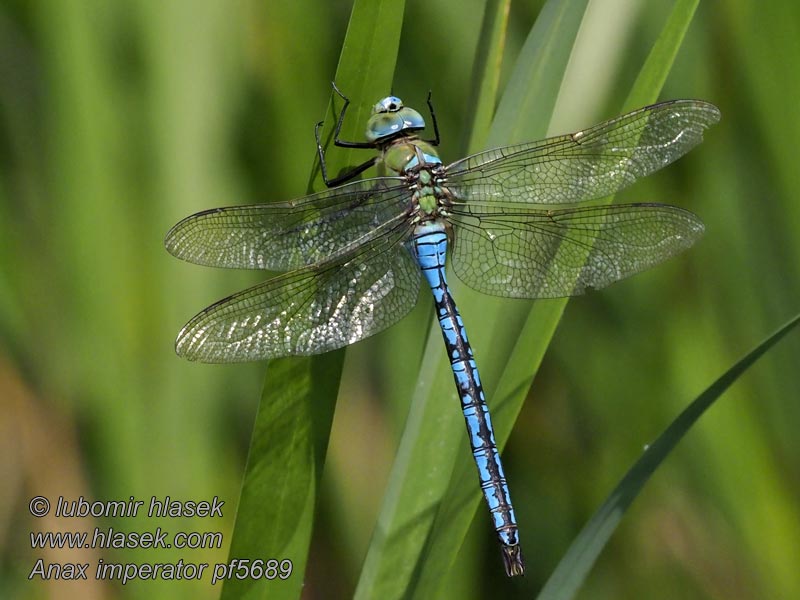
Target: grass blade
x=486 y=72
x=364 y=74
x=290 y=437
x=287 y=450
x=582 y=554
x=659 y=62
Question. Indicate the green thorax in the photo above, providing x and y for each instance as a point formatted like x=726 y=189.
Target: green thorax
x=406 y=153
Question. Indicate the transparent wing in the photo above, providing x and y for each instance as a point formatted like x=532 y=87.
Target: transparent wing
x=585 y=165
x=289 y=235
x=528 y=253
x=309 y=310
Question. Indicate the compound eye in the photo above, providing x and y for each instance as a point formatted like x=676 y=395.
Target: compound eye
x=388 y=104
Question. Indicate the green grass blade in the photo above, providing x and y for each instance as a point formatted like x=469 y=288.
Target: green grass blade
x=486 y=72
x=400 y=560
x=290 y=437
x=659 y=62
x=582 y=554
x=530 y=96
x=364 y=74
x=287 y=450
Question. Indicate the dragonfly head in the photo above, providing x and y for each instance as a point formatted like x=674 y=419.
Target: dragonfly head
x=390 y=117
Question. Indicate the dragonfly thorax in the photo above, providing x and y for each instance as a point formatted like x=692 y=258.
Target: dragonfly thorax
x=416 y=160
x=425 y=175
x=403 y=155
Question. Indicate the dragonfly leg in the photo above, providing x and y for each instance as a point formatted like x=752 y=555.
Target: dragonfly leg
x=342 y=144
x=340 y=121
x=347 y=175
x=435 y=141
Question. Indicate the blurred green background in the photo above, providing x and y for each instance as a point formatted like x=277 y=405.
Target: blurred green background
x=119 y=118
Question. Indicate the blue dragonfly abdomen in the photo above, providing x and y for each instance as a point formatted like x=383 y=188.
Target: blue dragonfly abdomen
x=417 y=161
x=353 y=254
x=429 y=244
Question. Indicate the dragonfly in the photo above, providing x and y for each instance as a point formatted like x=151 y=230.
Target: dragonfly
x=352 y=256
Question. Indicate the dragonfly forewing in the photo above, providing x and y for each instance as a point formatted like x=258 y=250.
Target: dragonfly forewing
x=289 y=235
x=529 y=253
x=585 y=165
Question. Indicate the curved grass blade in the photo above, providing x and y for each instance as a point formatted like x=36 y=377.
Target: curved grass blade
x=486 y=71
x=287 y=450
x=652 y=76
x=582 y=554
x=364 y=74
